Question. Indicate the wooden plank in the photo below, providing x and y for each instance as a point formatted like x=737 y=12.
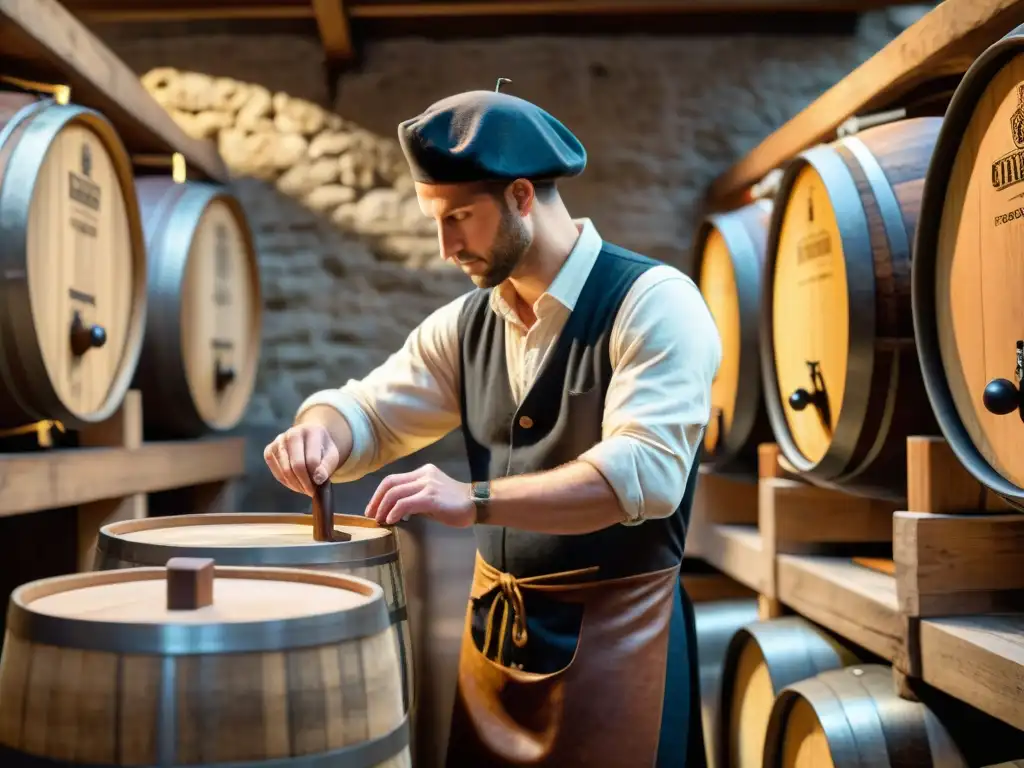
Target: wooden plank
x=855 y=602
x=198 y=10
x=74 y=476
x=41 y=40
x=335 y=34
x=736 y=551
x=979 y=660
x=942 y=43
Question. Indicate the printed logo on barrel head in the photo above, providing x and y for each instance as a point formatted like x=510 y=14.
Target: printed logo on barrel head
x=1009 y=169
x=816 y=244
x=82 y=189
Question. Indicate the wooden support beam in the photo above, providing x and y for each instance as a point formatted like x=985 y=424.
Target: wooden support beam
x=332 y=21
x=941 y=45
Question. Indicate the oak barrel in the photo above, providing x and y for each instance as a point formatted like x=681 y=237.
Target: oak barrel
x=716 y=623
x=196 y=664
x=728 y=265
x=202 y=345
x=968 y=316
x=73 y=262
x=762 y=659
x=841 y=377
x=852 y=717
x=366 y=550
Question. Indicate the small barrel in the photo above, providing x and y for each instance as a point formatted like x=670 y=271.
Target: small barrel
x=761 y=660
x=728 y=265
x=73 y=262
x=842 y=382
x=362 y=548
x=202 y=345
x=854 y=717
x=196 y=664
x=716 y=622
x=968 y=314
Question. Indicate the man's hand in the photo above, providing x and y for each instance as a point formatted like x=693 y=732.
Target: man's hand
x=425 y=491
x=302 y=457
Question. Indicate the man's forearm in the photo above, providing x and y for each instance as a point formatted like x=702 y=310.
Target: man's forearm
x=571 y=499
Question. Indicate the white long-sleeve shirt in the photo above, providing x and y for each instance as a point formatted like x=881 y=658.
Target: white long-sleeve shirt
x=664 y=349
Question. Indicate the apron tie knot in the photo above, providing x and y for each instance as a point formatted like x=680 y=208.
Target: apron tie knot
x=509 y=598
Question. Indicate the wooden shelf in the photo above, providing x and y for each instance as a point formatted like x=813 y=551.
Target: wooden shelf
x=979 y=660
x=855 y=602
x=73 y=476
x=939 y=46
x=41 y=41
x=736 y=550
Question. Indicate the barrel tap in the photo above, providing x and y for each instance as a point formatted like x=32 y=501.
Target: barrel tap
x=801 y=398
x=1002 y=396
x=85 y=337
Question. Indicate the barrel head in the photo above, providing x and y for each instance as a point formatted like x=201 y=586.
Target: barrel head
x=810 y=315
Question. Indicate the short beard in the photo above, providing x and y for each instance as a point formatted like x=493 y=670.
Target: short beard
x=510 y=246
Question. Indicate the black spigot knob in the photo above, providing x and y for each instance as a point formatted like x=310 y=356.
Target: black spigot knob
x=85 y=337
x=223 y=377
x=800 y=399
x=1001 y=397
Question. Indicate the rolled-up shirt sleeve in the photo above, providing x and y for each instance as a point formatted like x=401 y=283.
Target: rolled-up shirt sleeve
x=408 y=402
x=665 y=350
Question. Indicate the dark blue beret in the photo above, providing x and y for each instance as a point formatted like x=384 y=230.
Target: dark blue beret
x=485 y=136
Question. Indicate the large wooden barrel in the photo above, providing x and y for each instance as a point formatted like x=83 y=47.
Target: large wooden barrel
x=200 y=665
x=728 y=264
x=364 y=549
x=968 y=317
x=841 y=378
x=762 y=659
x=717 y=622
x=202 y=346
x=73 y=262
x=853 y=717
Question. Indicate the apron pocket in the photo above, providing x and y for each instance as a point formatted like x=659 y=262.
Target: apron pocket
x=552 y=630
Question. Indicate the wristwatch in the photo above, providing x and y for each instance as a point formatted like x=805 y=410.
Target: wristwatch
x=480 y=492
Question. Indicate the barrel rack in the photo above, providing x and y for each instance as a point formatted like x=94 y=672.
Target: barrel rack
x=109 y=475
x=43 y=42
x=917 y=72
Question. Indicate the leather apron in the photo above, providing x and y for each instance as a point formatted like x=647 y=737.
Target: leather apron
x=599 y=710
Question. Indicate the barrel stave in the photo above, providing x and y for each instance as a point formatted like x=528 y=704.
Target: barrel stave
x=381 y=565
x=116 y=707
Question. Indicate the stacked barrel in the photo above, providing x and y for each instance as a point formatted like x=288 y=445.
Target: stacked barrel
x=198 y=639
x=868 y=295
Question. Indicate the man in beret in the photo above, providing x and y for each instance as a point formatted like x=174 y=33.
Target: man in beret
x=580 y=375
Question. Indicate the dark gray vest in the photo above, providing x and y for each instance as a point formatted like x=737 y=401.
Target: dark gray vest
x=559 y=419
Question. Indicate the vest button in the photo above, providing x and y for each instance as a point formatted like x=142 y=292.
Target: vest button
x=525 y=422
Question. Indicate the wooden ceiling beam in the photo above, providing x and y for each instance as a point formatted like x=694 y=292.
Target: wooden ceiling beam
x=335 y=33
x=333 y=15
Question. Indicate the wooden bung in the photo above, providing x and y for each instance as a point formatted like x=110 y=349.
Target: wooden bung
x=189 y=583
x=762 y=658
x=843 y=386
x=287 y=665
x=74 y=264
x=967 y=275
x=324 y=542
x=197 y=370
x=728 y=265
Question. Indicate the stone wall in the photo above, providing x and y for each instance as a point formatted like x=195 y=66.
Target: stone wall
x=348 y=265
